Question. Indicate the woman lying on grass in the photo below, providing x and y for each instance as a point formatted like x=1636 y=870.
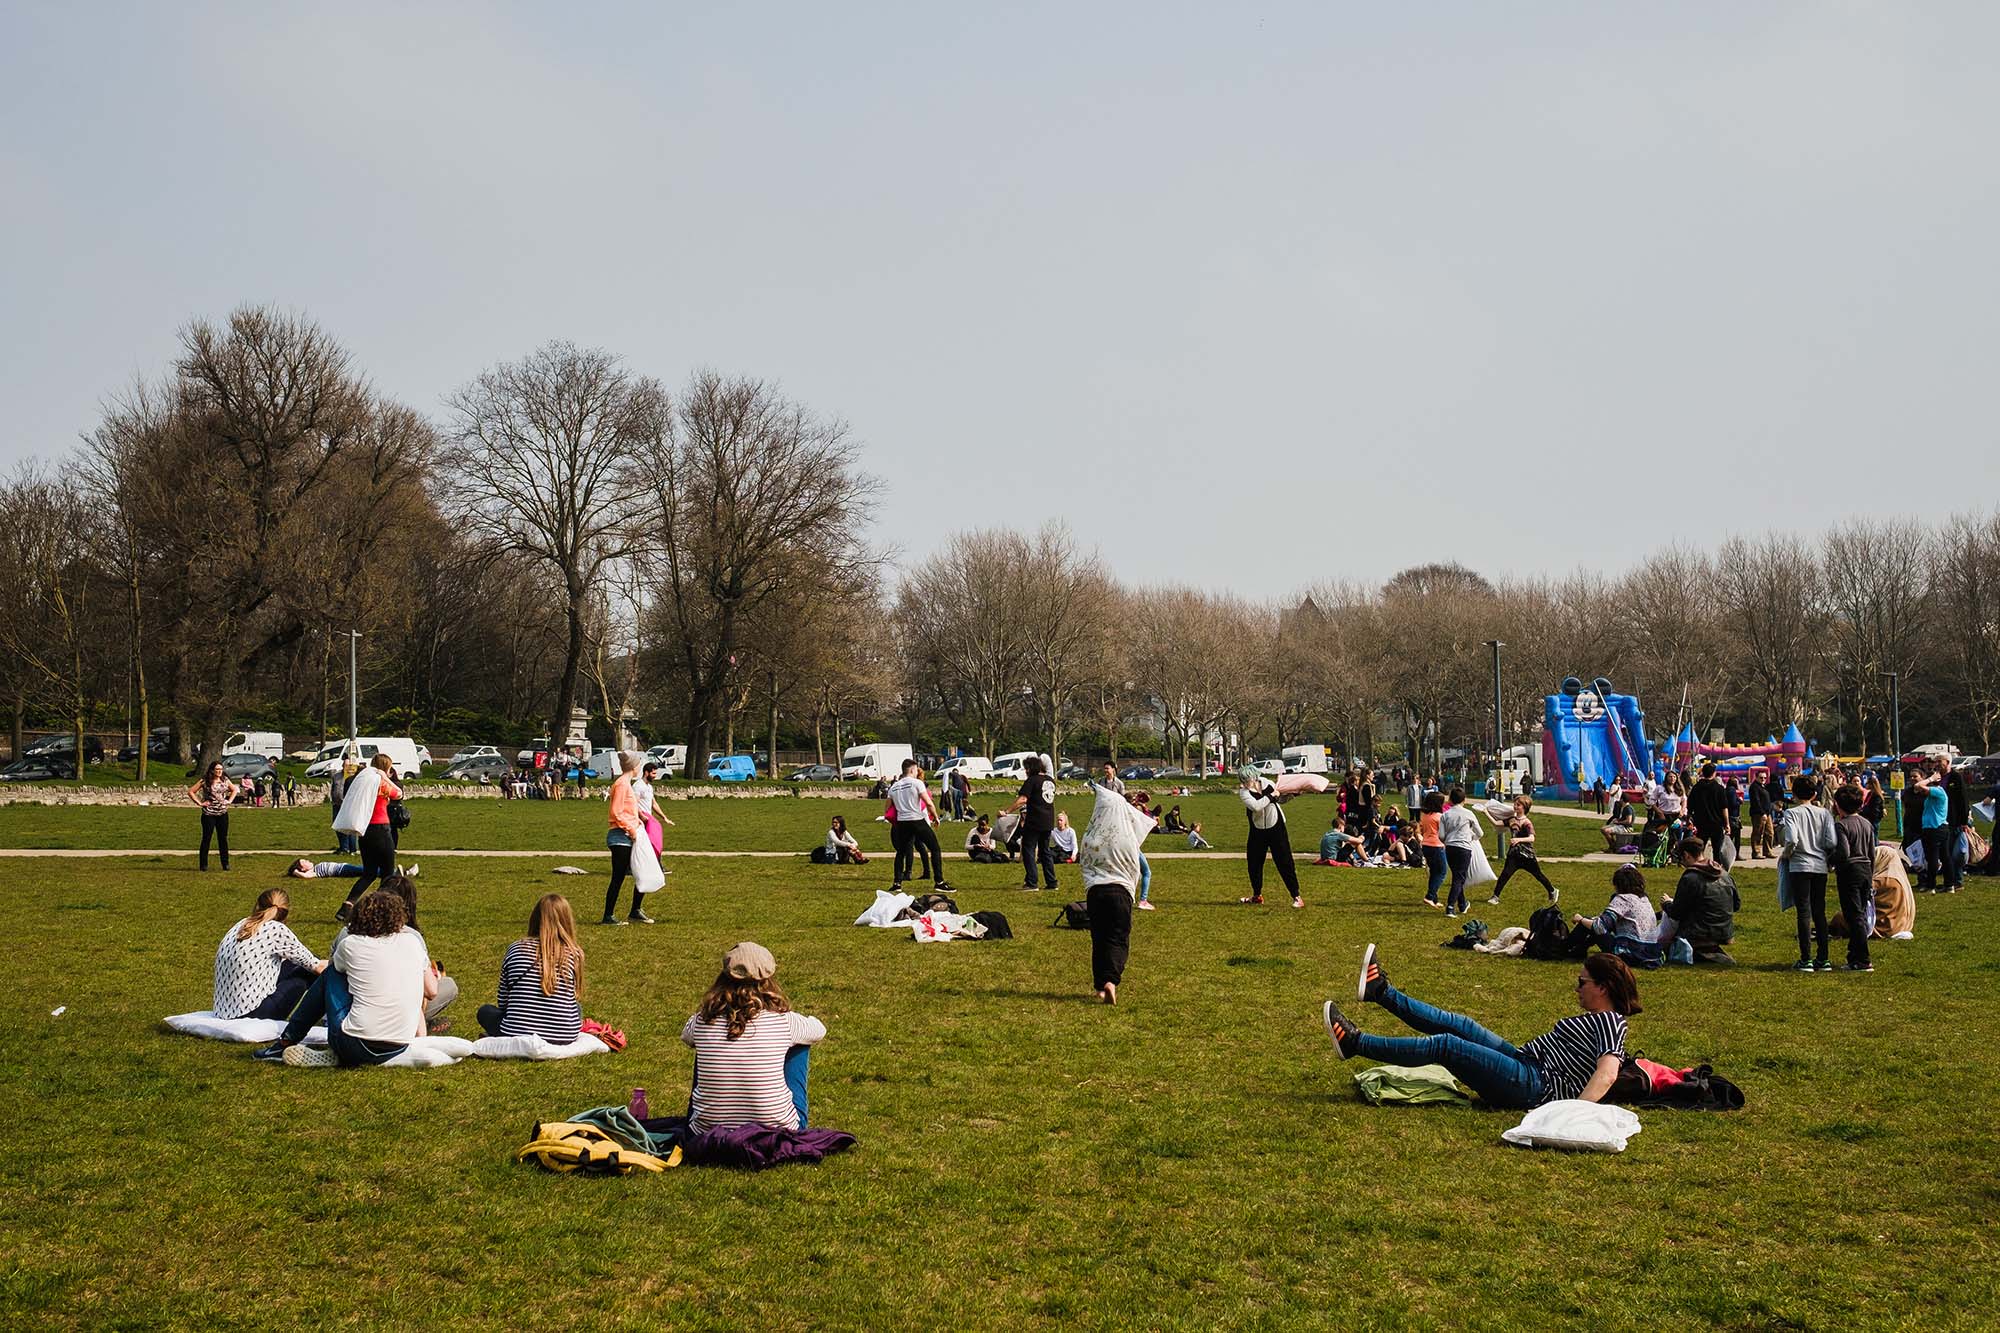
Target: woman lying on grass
x=1578 y=1058
x=540 y=978
x=261 y=967
x=750 y=1049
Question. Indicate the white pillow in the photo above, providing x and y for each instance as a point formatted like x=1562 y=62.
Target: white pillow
x=1576 y=1125
x=882 y=912
x=534 y=1046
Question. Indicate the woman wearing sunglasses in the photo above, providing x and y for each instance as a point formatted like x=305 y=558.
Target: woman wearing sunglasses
x=1577 y=1059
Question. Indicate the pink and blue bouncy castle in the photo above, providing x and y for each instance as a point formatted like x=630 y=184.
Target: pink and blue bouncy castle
x=1777 y=758
x=1590 y=733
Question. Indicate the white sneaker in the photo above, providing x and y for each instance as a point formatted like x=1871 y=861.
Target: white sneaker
x=412 y=871
x=1493 y=902
x=310 y=1057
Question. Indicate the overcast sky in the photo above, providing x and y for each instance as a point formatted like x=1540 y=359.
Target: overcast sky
x=1250 y=297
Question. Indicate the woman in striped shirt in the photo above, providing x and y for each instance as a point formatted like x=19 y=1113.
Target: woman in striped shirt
x=1577 y=1059
x=750 y=1049
x=540 y=979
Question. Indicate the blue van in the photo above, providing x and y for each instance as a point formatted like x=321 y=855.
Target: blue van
x=732 y=768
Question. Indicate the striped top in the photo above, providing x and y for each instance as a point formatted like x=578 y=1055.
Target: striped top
x=742 y=1082
x=524 y=1010
x=1567 y=1054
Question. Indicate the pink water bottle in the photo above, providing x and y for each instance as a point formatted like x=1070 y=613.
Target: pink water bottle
x=638 y=1107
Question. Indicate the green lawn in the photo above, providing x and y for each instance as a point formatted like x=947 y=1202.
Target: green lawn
x=1192 y=1158
x=720 y=824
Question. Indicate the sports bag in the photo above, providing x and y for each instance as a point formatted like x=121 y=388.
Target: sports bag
x=1074 y=915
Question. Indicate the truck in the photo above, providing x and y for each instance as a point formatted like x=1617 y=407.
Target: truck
x=1307 y=759
x=1519 y=767
x=268 y=744
x=876 y=759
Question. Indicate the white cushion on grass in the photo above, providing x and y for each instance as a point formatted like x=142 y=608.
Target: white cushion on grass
x=534 y=1046
x=882 y=912
x=429 y=1053
x=1577 y=1125
x=250 y=1031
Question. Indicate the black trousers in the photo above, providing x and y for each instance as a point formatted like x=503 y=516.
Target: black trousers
x=1521 y=856
x=1934 y=859
x=1277 y=840
x=1110 y=932
x=378 y=859
x=1809 y=901
x=1855 y=896
x=913 y=838
x=1035 y=852
x=621 y=866
x=293 y=983
x=216 y=826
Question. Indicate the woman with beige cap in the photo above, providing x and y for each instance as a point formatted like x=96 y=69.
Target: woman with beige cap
x=750 y=1049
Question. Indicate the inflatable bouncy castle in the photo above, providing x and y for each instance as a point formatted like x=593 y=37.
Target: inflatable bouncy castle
x=1590 y=733
x=1777 y=758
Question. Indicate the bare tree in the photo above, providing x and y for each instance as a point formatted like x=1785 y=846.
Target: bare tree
x=967 y=618
x=1966 y=577
x=542 y=463
x=1070 y=600
x=1879 y=598
x=745 y=487
x=1771 y=592
x=49 y=590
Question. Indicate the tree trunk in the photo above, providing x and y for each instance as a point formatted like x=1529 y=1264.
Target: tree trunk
x=572 y=664
x=20 y=716
x=772 y=681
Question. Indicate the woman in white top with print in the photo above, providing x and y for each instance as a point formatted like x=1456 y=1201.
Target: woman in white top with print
x=261 y=967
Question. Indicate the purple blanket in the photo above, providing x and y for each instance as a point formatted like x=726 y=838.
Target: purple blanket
x=756 y=1146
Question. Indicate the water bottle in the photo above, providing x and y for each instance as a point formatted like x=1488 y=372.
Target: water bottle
x=637 y=1106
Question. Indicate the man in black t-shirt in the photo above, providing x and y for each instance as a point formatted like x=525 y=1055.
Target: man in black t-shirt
x=1708 y=810
x=1037 y=804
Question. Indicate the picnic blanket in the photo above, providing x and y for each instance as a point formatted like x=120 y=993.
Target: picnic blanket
x=534 y=1046
x=421 y=1053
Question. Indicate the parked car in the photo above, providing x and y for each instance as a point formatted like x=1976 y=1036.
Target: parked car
x=815 y=773
x=732 y=768
x=489 y=766
x=472 y=752
x=65 y=746
x=156 y=750
x=1013 y=767
x=408 y=758
x=239 y=766
x=671 y=758
x=39 y=769
x=1137 y=773
x=1071 y=770
x=1270 y=768
x=1171 y=773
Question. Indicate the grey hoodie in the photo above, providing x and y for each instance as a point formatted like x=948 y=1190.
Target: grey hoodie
x=1806 y=837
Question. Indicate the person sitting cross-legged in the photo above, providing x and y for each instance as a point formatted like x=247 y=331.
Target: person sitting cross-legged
x=750 y=1050
x=1577 y=1059
x=371 y=997
x=540 y=979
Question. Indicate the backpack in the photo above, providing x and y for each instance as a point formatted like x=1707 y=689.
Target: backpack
x=996 y=925
x=1074 y=915
x=1548 y=935
x=818 y=856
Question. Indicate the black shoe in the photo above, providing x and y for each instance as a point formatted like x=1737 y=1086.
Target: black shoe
x=344 y=911
x=1342 y=1032
x=611 y=921
x=1373 y=980
x=272 y=1054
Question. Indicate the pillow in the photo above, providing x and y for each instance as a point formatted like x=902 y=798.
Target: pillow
x=1299 y=784
x=249 y=1031
x=534 y=1046
x=882 y=912
x=1575 y=1125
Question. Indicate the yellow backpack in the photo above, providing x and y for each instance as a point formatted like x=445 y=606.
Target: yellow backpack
x=566 y=1145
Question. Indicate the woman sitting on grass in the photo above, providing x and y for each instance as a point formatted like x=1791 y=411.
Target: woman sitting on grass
x=1577 y=1059
x=842 y=847
x=371 y=999
x=750 y=1050
x=1627 y=927
x=443 y=989
x=980 y=846
x=1062 y=840
x=540 y=978
x=261 y=967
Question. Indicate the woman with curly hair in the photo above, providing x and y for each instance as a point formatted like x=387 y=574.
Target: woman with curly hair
x=750 y=1049
x=372 y=998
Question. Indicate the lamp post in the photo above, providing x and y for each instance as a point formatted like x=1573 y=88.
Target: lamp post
x=1896 y=735
x=1499 y=730
x=353 y=688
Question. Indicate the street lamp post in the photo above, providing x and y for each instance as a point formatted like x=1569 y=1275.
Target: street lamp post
x=353 y=688
x=1499 y=729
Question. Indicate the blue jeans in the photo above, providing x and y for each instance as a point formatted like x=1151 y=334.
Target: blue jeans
x=347 y=843
x=1490 y=1065
x=797 y=1062
x=1145 y=876
x=328 y=999
x=1434 y=858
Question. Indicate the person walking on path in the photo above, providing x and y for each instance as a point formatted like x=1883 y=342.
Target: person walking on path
x=1521 y=852
x=213 y=794
x=625 y=828
x=1264 y=806
x=1806 y=841
x=1036 y=804
x=1458 y=829
x=373 y=788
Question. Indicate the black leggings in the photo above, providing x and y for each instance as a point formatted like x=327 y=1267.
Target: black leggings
x=1276 y=840
x=913 y=838
x=1110 y=932
x=1855 y=899
x=378 y=859
x=1460 y=860
x=218 y=827
x=1035 y=851
x=1809 y=900
x=1522 y=857
x=621 y=866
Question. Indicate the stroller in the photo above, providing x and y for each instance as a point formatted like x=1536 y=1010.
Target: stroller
x=1661 y=852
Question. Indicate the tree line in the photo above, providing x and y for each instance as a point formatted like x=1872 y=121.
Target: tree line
x=565 y=532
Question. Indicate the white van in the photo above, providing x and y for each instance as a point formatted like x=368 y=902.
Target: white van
x=603 y=764
x=672 y=758
x=875 y=760
x=268 y=744
x=400 y=749
x=1307 y=759
x=1013 y=766
x=974 y=766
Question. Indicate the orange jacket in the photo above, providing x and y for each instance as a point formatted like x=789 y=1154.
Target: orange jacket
x=625 y=808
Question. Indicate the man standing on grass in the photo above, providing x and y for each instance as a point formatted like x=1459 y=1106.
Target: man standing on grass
x=1763 y=817
x=1708 y=808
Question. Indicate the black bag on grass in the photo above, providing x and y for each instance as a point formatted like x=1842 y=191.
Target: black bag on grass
x=1548 y=935
x=1074 y=915
x=996 y=926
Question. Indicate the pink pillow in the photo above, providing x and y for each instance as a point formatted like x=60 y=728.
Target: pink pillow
x=1296 y=784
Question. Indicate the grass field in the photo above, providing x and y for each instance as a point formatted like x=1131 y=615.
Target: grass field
x=1194 y=1157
